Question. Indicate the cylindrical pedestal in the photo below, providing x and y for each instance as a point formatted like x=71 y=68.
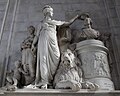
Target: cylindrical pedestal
x=93 y=56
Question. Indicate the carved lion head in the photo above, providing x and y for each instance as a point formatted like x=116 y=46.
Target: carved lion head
x=68 y=59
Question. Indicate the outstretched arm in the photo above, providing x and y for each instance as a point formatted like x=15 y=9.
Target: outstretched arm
x=70 y=21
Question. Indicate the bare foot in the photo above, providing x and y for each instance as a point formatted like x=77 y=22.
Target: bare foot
x=44 y=86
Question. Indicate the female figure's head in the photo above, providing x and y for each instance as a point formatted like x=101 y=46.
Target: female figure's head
x=48 y=11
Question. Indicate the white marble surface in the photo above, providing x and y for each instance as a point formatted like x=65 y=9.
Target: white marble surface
x=58 y=92
x=93 y=56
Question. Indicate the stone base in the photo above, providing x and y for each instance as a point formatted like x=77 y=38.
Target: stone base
x=59 y=92
x=93 y=56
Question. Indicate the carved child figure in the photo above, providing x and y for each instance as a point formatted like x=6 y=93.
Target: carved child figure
x=19 y=74
x=14 y=78
x=11 y=84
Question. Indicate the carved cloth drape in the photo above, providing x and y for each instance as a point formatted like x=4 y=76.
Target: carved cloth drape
x=47 y=51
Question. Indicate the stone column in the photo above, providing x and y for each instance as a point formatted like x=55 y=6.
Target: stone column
x=93 y=56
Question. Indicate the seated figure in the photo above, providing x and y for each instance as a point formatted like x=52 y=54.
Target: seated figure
x=15 y=79
x=11 y=83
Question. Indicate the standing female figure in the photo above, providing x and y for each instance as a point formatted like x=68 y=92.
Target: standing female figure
x=28 y=56
x=48 y=54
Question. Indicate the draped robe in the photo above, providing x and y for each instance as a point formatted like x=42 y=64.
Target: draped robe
x=48 y=54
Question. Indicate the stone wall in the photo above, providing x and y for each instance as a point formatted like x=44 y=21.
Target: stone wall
x=105 y=14
x=114 y=26
x=2 y=46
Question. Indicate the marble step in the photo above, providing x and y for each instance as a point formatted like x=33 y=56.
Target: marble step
x=58 y=92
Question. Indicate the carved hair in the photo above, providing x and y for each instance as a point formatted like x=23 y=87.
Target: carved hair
x=32 y=27
x=47 y=9
x=84 y=14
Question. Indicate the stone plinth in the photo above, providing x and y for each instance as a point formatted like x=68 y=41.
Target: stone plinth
x=93 y=56
x=60 y=92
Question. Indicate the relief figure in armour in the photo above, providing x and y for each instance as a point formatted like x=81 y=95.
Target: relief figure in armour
x=88 y=31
